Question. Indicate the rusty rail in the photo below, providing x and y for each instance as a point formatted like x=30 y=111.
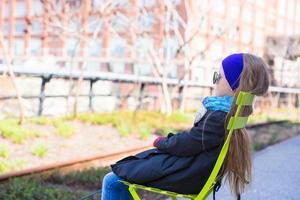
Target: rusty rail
x=99 y=160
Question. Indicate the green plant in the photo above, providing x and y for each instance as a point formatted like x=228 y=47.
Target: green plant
x=143 y=122
x=88 y=178
x=124 y=128
x=145 y=131
x=30 y=188
x=99 y=119
x=180 y=117
x=4 y=166
x=41 y=120
x=257 y=146
x=4 y=151
x=63 y=128
x=8 y=165
x=10 y=129
x=39 y=150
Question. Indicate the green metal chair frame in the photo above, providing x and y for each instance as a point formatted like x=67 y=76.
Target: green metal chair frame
x=235 y=122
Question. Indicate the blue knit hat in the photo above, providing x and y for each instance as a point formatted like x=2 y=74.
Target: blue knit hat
x=233 y=67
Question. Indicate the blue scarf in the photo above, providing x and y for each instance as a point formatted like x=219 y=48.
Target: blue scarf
x=218 y=103
x=214 y=103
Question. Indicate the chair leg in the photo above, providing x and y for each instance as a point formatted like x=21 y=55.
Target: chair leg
x=134 y=193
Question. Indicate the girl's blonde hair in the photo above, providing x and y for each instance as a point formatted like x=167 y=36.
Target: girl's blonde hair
x=237 y=166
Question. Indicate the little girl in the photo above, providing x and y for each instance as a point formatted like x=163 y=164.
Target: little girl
x=182 y=162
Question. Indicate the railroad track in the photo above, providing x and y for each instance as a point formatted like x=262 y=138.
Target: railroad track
x=96 y=160
x=265 y=124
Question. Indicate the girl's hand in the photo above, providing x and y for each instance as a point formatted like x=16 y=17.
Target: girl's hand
x=156 y=140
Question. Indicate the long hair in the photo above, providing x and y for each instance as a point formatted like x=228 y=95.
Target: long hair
x=237 y=167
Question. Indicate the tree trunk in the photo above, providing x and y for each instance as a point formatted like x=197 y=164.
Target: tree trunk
x=7 y=60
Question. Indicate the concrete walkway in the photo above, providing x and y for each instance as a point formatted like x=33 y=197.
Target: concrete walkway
x=276 y=174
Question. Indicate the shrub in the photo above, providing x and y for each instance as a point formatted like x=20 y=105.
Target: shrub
x=11 y=130
x=4 y=151
x=63 y=128
x=39 y=150
x=29 y=188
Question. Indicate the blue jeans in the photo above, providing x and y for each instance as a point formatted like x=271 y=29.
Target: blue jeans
x=112 y=189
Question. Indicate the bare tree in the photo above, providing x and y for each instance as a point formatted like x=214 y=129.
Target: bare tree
x=8 y=60
x=176 y=24
x=161 y=59
x=62 y=15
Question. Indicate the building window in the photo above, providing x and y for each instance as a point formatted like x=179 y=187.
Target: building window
x=6 y=11
x=5 y=28
x=93 y=66
x=19 y=27
x=176 y=2
x=72 y=46
x=97 y=4
x=71 y=65
x=120 y=23
x=120 y=3
x=36 y=26
x=36 y=47
x=141 y=48
x=20 y=9
x=95 y=47
x=117 y=46
x=173 y=72
x=198 y=74
x=75 y=25
x=217 y=27
x=19 y=47
x=142 y=45
x=74 y=4
x=37 y=8
x=6 y=45
x=117 y=67
x=94 y=24
x=219 y=6
x=146 y=22
x=233 y=11
x=170 y=47
x=143 y=69
x=174 y=24
x=146 y=3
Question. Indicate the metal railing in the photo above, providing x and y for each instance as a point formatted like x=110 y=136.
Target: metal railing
x=47 y=74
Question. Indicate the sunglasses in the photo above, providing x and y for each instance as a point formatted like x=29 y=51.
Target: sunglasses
x=216 y=77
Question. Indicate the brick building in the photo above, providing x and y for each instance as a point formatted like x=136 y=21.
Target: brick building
x=44 y=31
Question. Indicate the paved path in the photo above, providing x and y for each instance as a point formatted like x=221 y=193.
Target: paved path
x=276 y=174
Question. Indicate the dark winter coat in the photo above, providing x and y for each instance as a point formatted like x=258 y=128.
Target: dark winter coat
x=182 y=162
